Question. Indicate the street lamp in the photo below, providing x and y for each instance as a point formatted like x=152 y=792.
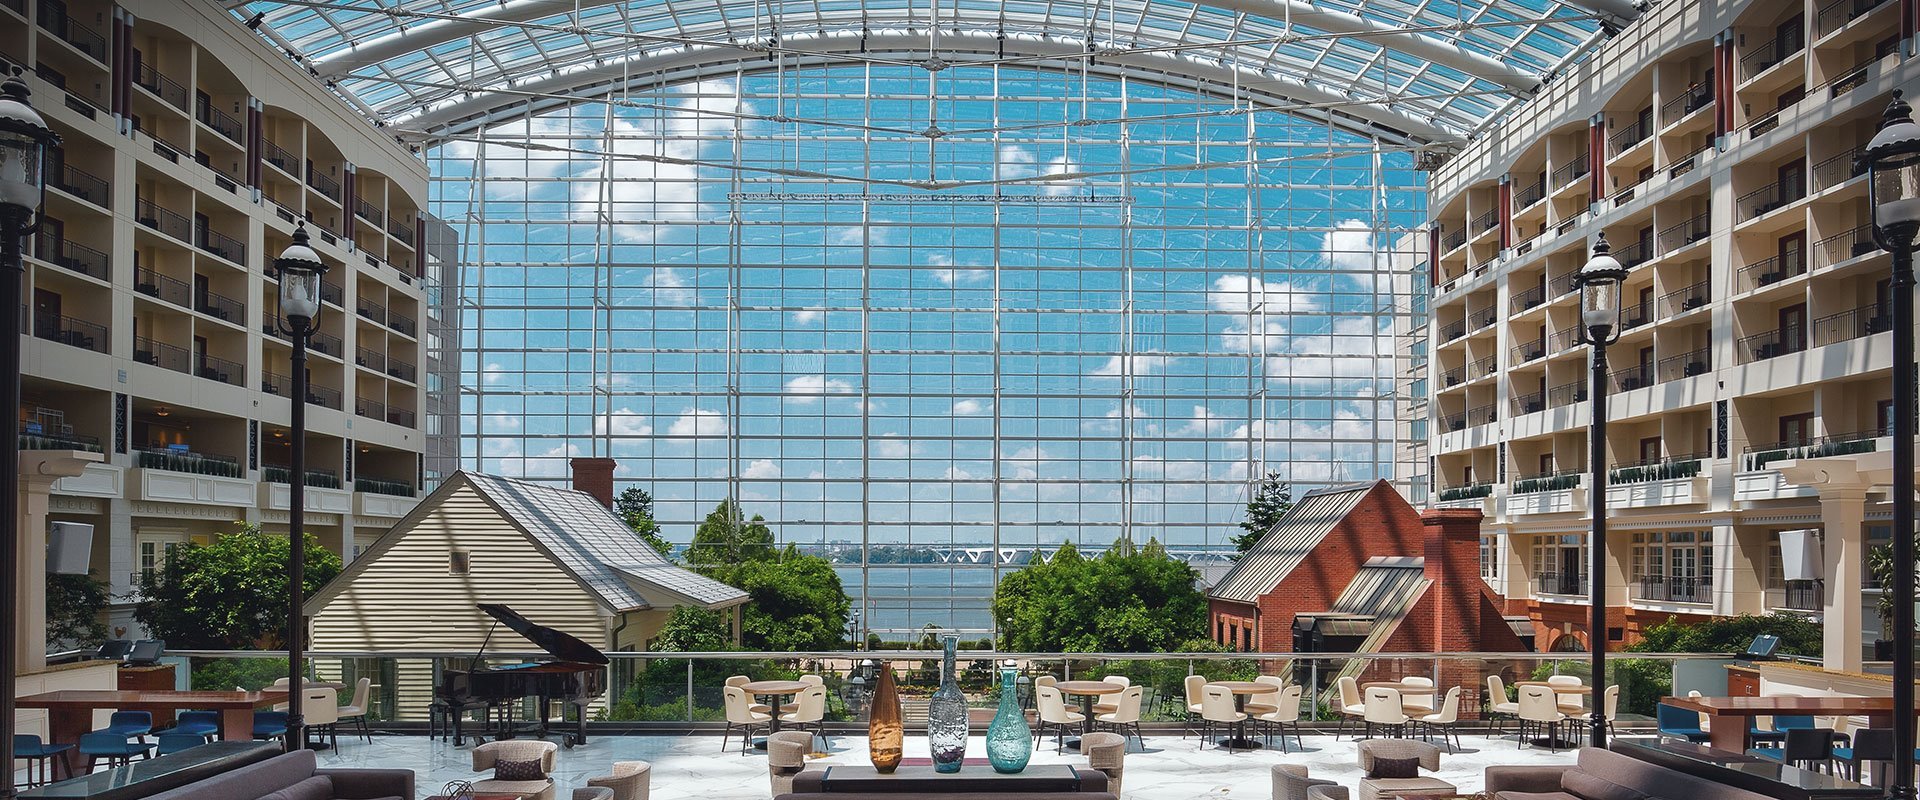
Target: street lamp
x=299 y=269
x=1599 y=283
x=853 y=629
x=1893 y=192
x=24 y=140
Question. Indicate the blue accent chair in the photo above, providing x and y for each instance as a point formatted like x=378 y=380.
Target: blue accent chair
x=129 y=725
x=1680 y=723
x=1807 y=748
x=28 y=747
x=112 y=747
x=175 y=742
x=199 y=723
x=1869 y=745
x=269 y=724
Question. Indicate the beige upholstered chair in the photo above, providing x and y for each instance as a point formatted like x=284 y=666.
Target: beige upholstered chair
x=1383 y=709
x=1105 y=704
x=1421 y=699
x=630 y=780
x=1539 y=712
x=356 y=711
x=1445 y=720
x=1609 y=709
x=1353 y=707
x=1125 y=715
x=1290 y=782
x=1216 y=708
x=1706 y=720
x=1193 y=685
x=1051 y=712
x=485 y=756
x=1264 y=703
x=786 y=757
x=741 y=717
x=321 y=709
x=741 y=681
x=1377 y=788
x=1497 y=703
x=1570 y=703
x=1285 y=715
x=809 y=712
x=1107 y=752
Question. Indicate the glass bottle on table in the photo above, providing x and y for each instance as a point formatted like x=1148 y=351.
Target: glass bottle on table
x=947 y=715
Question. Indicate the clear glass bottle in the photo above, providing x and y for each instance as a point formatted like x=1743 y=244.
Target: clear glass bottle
x=1009 y=740
x=947 y=715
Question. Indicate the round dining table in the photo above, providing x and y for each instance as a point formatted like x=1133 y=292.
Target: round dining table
x=1087 y=691
x=1241 y=691
x=770 y=693
x=1417 y=689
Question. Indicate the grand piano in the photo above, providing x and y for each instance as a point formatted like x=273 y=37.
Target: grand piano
x=575 y=679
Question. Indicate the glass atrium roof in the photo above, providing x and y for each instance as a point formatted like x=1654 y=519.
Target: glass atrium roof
x=1409 y=70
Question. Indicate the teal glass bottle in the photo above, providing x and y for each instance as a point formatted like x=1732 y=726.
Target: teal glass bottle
x=1009 y=740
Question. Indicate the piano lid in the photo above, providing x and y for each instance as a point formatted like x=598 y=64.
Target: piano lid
x=562 y=645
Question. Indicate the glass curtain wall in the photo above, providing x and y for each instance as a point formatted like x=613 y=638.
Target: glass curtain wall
x=932 y=386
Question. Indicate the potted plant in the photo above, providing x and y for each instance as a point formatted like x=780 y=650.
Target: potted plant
x=1880 y=566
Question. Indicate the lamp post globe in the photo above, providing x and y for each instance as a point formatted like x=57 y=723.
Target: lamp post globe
x=1892 y=161
x=24 y=141
x=300 y=270
x=1599 y=281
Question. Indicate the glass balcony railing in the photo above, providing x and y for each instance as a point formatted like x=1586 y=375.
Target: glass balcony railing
x=1660 y=469
x=377 y=486
x=1548 y=482
x=183 y=460
x=317 y=478
x=1758 y=456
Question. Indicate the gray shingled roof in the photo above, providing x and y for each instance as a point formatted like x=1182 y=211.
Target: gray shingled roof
x=1287 y=543
x=587 y=540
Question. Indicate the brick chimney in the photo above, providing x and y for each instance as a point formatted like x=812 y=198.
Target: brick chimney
x=595 y=477
x=1453 y=565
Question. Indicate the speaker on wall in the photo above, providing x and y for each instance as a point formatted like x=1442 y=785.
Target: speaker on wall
x=69 y=547
x=1800 y=555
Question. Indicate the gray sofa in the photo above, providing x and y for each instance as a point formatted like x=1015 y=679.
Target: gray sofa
x=1596 y=771
x=295 y=776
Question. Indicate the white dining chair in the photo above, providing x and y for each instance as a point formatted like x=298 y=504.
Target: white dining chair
x=1216 y=708
x=1051 y=712
x=1106 y=703
x=1192 y=687
x=356 y=711
x=320 y=708
x=1285 y=716
x=1497 y=703
x=809 y=712
x=1383 y=708
x=1353 y=707
x=1417 y=698
x=1540 y=711
x=1446 y=719
x=1570 y=703
x=1125 y=716
x=1609 y=709
x=1259 y=704
x=741 y=717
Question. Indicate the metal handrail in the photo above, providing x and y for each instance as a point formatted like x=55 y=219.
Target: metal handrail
x=162 y=355
x=1530 y=298
x=1847 y=81
x=920 y=655
x=1772 y=344
x=162 y=219
x=71 y=255
x=84 y=185
x=221 y=122
x=1686 y=365
x=1486 y=222
x=1843 y=246
x=54 y=17
x=1852 y=323
x=223 y=245
x=1834 y=16
x=1688 y=102
x=1567 y=394
x=1769 y=271
x=70 y=331
x=1680 y=301
x=1674 y=237
x=1625 y=138
x=1453 y=240
x=1767 y=54
x=1529 y=403
x=1528 y=351
x=163 y=287
x=326 y=186
x=1838 y=169
x=1572 y=170
x=1686 y=163
x=1531 y=193
x=279 y=157
x=159 y=85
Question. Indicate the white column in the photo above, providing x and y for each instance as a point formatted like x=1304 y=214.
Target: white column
x=1842 y=512
x=38 y=470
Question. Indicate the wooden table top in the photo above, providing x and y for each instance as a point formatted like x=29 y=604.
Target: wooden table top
x=1245 y=687
x=1089 y=687
x=1569 y=688
x=776 y=687
x=1767 y=706
x=111 y=698
x=1403 y=688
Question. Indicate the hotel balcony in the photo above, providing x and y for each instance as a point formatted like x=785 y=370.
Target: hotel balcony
x=1673 y=588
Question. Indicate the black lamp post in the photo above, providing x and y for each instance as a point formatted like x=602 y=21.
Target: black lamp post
x=24 y=140
x=1893 y=157
x=299 y=268
x=1599 y=283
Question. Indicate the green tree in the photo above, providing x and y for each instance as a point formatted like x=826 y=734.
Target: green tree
x=74 y=605
x=1798 y=636
x=635 y=507
x=1129 y=599
x=1880 y=566
x=229 y=594
x=726 y=538
x=694 y=630
x=1269 y=503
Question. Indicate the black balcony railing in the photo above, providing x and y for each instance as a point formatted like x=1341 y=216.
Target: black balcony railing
x=1686 y=365
x=1835 y=15
x=400 y=416
x=223 y=246
x=1528 y=351
x=1627 y=379
x=1453 y=377
x=1453 y=330
x=1564 y=283
x=1770 y=197
x=1635 y=315
x=1530 y=298
x=1559 y=583
x=1681 y=301
x=53 y=16
x=159 y=85
x=69 y=331
x=372 y=310
x=1548 y=482
x=1797 y=596
x=162 y=219
x=1529 y=403
x=1689 y=101
x=275 y=383
x=327 y=186
x=377 y=486
x=1531 y=193
x=1572 y=170
x=400 y=323
x=1769 y=271
x=279 y=157
x=371 y=359
x=220 y=121
x=400 y=369
x=214 y=368
x=369 y=212
x=1852 y=323
x=163 y=287
x=1674 y=237
x=1686 y=163
x=1674 y=588
x=401 y=230
x=1567 y=394
x=162 y=355
x=323 y=396
x=1633 y=254
x=1773 y=344
x=370 y=408
x=1764 y=125
x=1454 y=239
x=72 y=255
x=332 y=293
x=1486 y=222
x=1844 y=246
x=1627 y=136
x=318 y=478
x=1484 y=367
x=84 y=185
x=1838 y=169
x=182 y=460
x=1563 y=340
x=1483 y=317
x=221 y=307
x=1846 y=81
x=1773 y=51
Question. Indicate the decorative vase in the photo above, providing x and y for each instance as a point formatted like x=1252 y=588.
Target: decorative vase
x=884 y=735
x=1009 y=740
x=947 y=715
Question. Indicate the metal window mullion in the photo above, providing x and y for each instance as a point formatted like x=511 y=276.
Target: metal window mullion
x=866 y=357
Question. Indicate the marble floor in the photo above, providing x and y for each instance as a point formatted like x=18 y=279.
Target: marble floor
x=1170 y=768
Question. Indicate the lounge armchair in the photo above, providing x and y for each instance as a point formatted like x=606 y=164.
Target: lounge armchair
x=487 y=757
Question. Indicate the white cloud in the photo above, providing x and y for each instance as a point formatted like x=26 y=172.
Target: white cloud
x=493 y=372
x=698 y=422
x=622 y=422
x=494 y=423
x=807 y=316
x=761 y=468
x=1014 y=162
x=652 y=190
x=1349 y=245
x=889 y=447
x=1205 y=423
x=956 y=474
x=1142 y=365
x=946 y=272
x=809 y=388
x=969 y=407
